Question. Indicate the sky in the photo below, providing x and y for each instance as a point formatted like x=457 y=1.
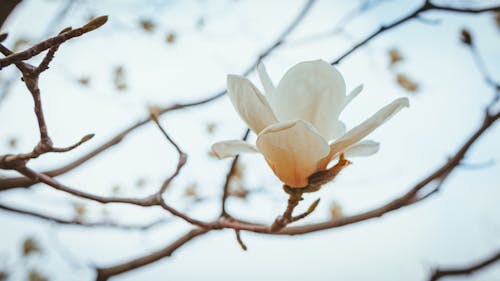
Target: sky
x=457 y=225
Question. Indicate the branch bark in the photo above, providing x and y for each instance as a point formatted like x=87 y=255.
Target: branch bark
x=465 y=270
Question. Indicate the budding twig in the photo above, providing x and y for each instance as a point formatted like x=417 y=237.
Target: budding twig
x=56 y=40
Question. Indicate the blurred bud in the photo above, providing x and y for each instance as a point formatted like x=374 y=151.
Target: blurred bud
x=465 y=37
x=30 y=246
x=34 y=275
x=3 y=276
x=406 y=83
x=191 y=190
x=212 y=154
x=313 y=206
x=335 y=210
x=170 y=38
x=84 y=81
x=200 y=23
x=87 y=137
x=13 y=142
x=395 y=56
x=154 y=111
x=236 y=189
x=3 y=36
x=80 y=211
x=119 y=78
x=211 y=128
x=140 y=183
x=115 y=190
x=19 y=44
x=147 y=25
x=94 y=24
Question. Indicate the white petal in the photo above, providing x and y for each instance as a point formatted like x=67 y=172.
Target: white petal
x=354 y=93
x=266 y=81
x=293 y=150
x=232 y=148
x=362 y=148
x=338 y=129
x=362 y=130
x=250 y=104
x=313 y=91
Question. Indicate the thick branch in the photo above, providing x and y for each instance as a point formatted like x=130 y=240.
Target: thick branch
x=409 y=198
x=104 y=273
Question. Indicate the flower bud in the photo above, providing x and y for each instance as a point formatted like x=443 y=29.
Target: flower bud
x=95 y=23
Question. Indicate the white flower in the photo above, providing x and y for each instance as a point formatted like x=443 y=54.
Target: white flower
x=297 y=122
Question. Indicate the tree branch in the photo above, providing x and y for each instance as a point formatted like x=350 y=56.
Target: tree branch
x=51 y=42
x=229 y=177
x=9 y=183
x=426 y=6
x=104 y=273
x=80 y=222
x=466 y=270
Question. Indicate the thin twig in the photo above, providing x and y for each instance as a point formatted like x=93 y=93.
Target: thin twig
x=238 y=238
x=80 y=222
x=465 y=270
x=9 y=183
x=54 y=41
x=426 y=6
x=229 y=177
x=182 y=156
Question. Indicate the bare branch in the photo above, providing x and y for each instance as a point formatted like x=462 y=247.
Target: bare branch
x=104 y=273
x=402 y=201
x=82 y=223
x=54 y=41
x=426 y=6
x=229 y=176
x=182 y=156
x=465 y=270
x=10 y=183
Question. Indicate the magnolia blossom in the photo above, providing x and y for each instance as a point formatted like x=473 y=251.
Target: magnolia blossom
x=297 y=122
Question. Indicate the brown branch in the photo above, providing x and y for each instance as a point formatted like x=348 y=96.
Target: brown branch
x=9 y=183
x=466 y=270
x=426 y=6
x=30 y=75
x=54 y=41
x=229 y=222
x=152 y=200
x=229 y=177
x=76 y=222
x=104 y=273
x=281 y=221
x=240 y=241
x=182 y=156
x=409 y=198
x=6 y=8
x=184 y=216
